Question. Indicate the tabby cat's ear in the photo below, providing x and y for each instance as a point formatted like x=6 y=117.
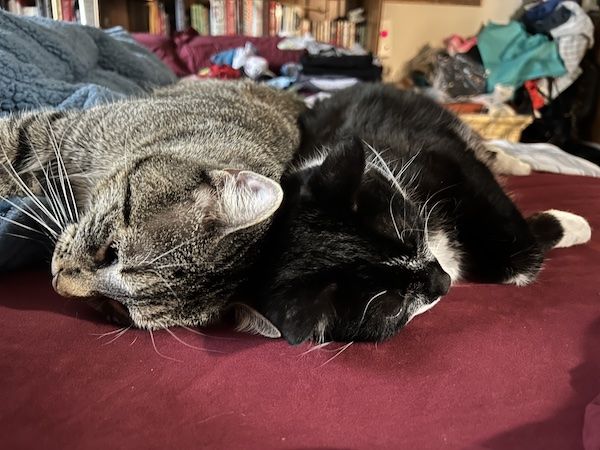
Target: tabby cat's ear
x=248 y=198
x=339 y=176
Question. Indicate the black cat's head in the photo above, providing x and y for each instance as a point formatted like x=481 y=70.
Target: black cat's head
x=347 y=257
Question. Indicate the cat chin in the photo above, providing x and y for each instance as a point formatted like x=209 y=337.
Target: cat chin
x=422 y=308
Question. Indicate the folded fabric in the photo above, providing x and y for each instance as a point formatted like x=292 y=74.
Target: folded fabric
x=545 y=157
x=540 y=11
x=512 y=56
x=337 y=62
x=457 y=44
x=46 y=63
x=325 y=83
x=355 y=66
x=555 y=19
x=574 y=38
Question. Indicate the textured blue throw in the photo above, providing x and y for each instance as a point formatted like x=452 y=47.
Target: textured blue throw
x=50 y=64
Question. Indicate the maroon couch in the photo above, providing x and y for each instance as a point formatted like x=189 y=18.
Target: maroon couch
x=495 y=367
x=188 y=52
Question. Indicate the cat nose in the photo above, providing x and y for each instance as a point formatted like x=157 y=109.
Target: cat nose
x=439 y=283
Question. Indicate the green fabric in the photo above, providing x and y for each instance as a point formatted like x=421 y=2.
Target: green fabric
x=511 y=56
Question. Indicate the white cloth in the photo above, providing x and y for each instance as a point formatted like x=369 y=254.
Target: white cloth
x=574 y=38
x=545 y=157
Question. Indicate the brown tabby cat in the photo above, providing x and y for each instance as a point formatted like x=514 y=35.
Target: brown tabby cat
x=158 y=202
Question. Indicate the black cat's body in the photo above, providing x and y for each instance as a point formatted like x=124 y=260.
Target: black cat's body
x=385 y=199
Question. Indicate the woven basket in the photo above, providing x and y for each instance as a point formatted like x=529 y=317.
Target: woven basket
x=502 y=127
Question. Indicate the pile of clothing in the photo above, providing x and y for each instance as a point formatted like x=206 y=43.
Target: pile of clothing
x=540 y=52
x=321 y=68
x=538 y=64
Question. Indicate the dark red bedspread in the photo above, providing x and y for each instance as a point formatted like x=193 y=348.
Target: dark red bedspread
x=495 y=367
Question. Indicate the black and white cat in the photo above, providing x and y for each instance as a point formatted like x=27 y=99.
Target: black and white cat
x=388 y=201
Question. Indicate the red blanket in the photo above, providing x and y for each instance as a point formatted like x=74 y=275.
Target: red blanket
x=495 y=367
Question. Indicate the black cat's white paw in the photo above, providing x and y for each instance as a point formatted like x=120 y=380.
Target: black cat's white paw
x=576 y=230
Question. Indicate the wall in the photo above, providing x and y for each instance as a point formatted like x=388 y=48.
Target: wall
x=412 y=25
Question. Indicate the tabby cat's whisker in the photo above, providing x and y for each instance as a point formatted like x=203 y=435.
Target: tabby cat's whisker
x=100 y=336
x=118 y=336
x=31 y=215
x=21 y=236
x=189 y=345
x=191 y=330
x=156 y=349
x=177 y=247
x=56 y=218
x=12 y=173
x=62 y=171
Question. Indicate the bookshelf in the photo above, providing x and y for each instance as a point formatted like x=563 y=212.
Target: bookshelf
x=327 y=20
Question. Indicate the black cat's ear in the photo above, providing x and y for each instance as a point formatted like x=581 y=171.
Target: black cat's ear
x=249 y=320
x=339 y=176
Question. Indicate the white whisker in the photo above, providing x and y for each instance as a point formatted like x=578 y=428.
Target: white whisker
x=156 y=349
x=189 y=345
x=337 y=354
x=367 y=307
x=118 y=336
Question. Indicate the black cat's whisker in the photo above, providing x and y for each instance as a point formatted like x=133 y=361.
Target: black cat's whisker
x=189 y=345
x=159 y=353
x=426 y=225
x=118 y=335
x=134 y=341
x=394 y=218
x=376 y=296
x=337 y=354
x=314 y=347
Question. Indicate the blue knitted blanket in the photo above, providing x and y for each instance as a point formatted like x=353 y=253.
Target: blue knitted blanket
x=50 y=64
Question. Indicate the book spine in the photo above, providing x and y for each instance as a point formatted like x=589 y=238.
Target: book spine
x=258 y=15
x=248 y=13
x=67 y=10
x=229 y=17
x=180 y=24
x=205 y=21
x=217 y=17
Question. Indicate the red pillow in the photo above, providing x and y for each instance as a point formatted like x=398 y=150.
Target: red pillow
x=195 y=50
x=164 y=48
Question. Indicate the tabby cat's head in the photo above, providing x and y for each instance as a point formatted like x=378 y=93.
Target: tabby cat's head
x=166 y=238
x=347 y=256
